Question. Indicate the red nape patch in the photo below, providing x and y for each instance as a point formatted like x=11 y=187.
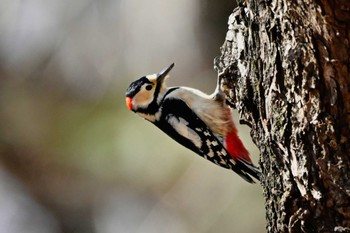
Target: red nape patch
x=235 y=147
x=128 y=101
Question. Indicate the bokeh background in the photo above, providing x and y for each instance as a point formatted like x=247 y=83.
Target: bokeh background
x=72 y=157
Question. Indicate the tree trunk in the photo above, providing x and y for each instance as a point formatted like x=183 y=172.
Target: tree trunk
x=285 y=67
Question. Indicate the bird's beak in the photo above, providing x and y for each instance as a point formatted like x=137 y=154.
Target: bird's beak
x=161 y=75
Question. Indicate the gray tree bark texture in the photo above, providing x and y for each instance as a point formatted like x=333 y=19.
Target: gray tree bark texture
x=285 y=66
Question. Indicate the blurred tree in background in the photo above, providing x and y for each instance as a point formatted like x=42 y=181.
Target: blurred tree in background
x=72 y=158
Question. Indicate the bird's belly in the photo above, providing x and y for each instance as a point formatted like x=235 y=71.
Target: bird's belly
x=217 y=117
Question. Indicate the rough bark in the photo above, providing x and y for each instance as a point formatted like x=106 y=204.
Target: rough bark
x=285 y=67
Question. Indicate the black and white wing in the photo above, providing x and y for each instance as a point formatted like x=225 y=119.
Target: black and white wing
x=184 y=126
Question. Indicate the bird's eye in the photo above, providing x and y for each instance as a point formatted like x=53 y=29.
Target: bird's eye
x=149 y=87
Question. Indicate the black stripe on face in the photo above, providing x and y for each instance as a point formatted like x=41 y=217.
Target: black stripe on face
x=135 y=87
x=154 y=106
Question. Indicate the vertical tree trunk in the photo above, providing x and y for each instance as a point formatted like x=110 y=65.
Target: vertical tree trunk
x=285 y=66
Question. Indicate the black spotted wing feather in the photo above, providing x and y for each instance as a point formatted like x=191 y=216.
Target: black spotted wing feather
x=185 y=127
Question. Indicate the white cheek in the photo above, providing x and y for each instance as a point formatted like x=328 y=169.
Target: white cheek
x=143 y=99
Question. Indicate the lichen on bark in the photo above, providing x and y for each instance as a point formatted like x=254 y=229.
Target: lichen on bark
x=285 y=67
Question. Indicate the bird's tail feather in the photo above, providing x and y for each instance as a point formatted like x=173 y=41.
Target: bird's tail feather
x=246 y=170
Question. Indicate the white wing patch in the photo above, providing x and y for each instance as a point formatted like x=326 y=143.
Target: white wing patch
x=211 y=153
x=211 y=143
x=181 y=126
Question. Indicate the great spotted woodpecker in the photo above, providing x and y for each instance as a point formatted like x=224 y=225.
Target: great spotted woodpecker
x=202 y=123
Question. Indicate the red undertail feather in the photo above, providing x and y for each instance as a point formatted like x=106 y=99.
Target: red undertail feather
x=236 y=148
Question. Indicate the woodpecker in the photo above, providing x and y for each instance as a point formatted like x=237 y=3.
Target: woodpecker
x=200 y=122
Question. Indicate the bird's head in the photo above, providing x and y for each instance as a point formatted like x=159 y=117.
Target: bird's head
x=144 y=92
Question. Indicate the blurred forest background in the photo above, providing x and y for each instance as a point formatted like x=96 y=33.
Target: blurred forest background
x=72 y=157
